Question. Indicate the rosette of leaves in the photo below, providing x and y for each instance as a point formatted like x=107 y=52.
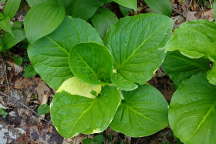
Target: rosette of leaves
x=192 y=110
x=104 y=83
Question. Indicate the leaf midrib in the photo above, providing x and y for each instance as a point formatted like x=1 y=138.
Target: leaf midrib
x=202 y=121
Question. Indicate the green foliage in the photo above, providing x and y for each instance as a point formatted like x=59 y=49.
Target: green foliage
x=74 y=60
x=192 y=111
x=103 y=20
x=3 y=113
x=49 y=55
x=29 y=71
x=196 y=39
x=82 y=65
x=43 y=19
x=129 y=3
x=137 y=51
x=43 y=109
x=160 y=6
x=11 y=7
x=143 y=112
x=73 y=114
x=180 y=67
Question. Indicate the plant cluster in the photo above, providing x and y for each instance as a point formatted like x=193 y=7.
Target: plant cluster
x=99 y=67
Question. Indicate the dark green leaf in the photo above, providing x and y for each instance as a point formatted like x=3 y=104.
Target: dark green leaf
x=49 y=55
x=192 y=112
x=42 y=20
x=136 y=45
x=103 y=19
x=143 y=112
x=84 y=9
x=73 y=114
x=160 y=6
x=91 y=62
x=196 y=39
x=179 y=67
x=29 y=71
x=10 y=41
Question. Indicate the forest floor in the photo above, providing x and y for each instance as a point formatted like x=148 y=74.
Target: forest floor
x=20 y=96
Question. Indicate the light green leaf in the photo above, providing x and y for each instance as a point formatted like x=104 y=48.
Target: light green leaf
x=192 y=112
x=84 y=9
x=72 y=114
x=143 y=112
x=195 y=39
x=91 y=62
x=49 y=55
x=179 y=67
x=42 y=20
x=103 y=20
x=75 y=86
x=11 y=7
x=10 y=41
x=160 y=6
x=136 y=45
x=127 y=3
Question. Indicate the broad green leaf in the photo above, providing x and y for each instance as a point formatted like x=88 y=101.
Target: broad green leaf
x=195 y=39
x=11 y=7
x=5 y=23
x=127 y=3
x=136 y=45
x=91 y=62
x=103 y=20
x=73 y=114
x=179 y=67
x=160 y=6
x=143 y=112
x=122 y=83
x=84 y=9
x=42 y=20
x=10 y=41
x=192 y=112
x=75 y=86
x=49 y=55
x=35 y=2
